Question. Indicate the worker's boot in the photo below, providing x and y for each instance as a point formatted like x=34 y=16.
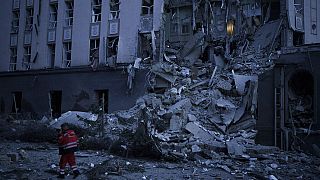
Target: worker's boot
x=76 y=173
x=60 y=176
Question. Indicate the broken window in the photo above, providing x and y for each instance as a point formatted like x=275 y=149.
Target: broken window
x=29 y=19
x=53 y=17
x=298 y=7
x=145 y=45
x=96 y=11
x=102 y=100
x=13 y=59
x=17 y=102
x=186 y=26
x=55 y=101
x=51 y=54
x=94 y=50
x=15 y=21
x=112 y=46
x=67 y=54
x=114 y=9
x=69 y=13
x=27 y=54
x=147 y=7
x=180 y=21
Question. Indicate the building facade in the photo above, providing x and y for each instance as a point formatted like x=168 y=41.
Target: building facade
x=61 y=55
x=40 y=34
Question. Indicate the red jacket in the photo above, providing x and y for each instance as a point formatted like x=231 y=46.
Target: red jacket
x=68 y=142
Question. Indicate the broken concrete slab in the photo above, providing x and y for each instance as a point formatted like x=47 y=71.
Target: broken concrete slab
x=247 y=124
x=223 y=103
x=76 y=118
x=227 y=117
x=168 y=77
x=192 y=118
x=240 y=82
x=224 y=86
x=235 y=148
x=195 y=148
x=266 y=34
x=176 y=123
x=191 y=44
x=260 y=149
x=184 y=104
x=200 y=132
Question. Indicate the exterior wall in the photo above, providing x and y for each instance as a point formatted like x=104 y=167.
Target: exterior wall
x=128 y=35
x=5 y=18
x=311 y=38
x=265 y=121
x=77 y=86
x=130 y=14
x=268 y=81
x=81 y=32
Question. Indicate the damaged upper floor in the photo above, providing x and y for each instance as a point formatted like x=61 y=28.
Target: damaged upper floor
x=68 y=33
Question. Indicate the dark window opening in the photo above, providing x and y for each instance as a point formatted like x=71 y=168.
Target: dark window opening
x=2 y=106
x=145 y=45
x=96 y=11
x=53 y=17
x=17 y=102
x=52 y=54
x=15 y=21
x=55 y=103
x=13 y=59
x=301 y=99
x=112 y=46
x=29 y=19
x=67 y=51
x=147 y=7
x=69 y=13
x=114 y=9
x=102 y=100
x=298 y=38
x=94 y=51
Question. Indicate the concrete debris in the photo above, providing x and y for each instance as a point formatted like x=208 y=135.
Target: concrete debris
x=191 y=44
x=235 y=148
x=200 y=132
x=240 y=82
x=195 y=148
x=77 y=118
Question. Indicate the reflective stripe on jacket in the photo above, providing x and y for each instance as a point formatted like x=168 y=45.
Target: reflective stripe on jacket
x=68 y=141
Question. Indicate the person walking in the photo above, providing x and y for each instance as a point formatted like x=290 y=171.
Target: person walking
x=68 y=144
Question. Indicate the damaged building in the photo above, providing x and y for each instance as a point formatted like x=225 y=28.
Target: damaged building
x=218 y=69
x=212 y=85
x=62 y=55
x=275 y=41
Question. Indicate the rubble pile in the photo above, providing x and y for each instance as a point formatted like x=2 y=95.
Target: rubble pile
x=200 y=107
